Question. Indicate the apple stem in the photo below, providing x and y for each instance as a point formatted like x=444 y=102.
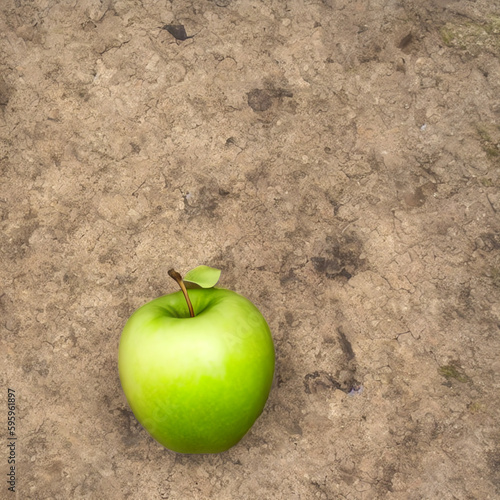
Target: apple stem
x=177 y=277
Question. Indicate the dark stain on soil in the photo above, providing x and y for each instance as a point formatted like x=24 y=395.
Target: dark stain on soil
x=341 y=257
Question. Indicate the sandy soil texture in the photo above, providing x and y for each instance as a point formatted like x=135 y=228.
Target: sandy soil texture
x=338 y=160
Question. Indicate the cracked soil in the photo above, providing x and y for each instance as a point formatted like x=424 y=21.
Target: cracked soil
x=338 y=160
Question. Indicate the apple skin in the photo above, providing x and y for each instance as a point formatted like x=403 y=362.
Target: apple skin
x=198 y=384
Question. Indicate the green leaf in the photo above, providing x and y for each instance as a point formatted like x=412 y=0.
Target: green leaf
x=203 y=276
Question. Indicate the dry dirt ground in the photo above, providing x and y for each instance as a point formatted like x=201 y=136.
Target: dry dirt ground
x=338 y=160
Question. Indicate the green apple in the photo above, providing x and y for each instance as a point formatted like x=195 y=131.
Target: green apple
x=197 y=384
